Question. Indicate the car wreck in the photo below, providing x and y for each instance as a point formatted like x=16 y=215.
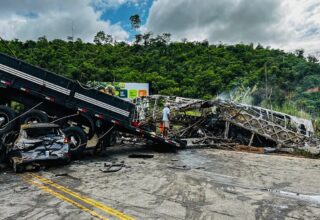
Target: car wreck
x=86 y=113
x=224 y=123
x=36 y=144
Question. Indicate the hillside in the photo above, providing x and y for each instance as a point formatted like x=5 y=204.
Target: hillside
x=189 y=69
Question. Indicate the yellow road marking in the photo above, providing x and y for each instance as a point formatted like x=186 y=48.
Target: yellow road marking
x=85 y=199
x=64 y=198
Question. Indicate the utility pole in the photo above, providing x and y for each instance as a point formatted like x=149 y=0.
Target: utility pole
x=72 y=31
x=268 y=96
x=266 y=79
x=70 y=38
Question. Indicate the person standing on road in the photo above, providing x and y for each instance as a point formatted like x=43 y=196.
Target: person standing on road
x=166 y=119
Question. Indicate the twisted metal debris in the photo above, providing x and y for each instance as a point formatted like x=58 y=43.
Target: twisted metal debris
x=221 y=123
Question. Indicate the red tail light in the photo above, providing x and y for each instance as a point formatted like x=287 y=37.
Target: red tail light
x=99 y=116
x=135 y=124
x=49 y=99
x=115 y=122
x=6 y=83
x=82 y=110
x=65 y=140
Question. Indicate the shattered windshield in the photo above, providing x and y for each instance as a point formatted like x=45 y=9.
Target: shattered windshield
x=40 y=132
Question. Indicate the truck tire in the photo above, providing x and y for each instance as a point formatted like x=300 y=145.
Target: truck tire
x=34 y=116
x=84 y=120
x=17 y=168
x=77 y=140
x=2 y=153
x=6 y=115
x=7 y=140
x=88 y=123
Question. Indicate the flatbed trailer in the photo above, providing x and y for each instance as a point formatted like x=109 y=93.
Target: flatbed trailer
x=59 y=97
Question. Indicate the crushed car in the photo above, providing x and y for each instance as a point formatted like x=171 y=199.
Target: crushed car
x=36 y=145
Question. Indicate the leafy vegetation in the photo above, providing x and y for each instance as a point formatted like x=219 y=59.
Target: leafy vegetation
x=189 y=69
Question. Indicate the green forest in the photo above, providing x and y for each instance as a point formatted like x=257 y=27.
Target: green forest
x=270 y=77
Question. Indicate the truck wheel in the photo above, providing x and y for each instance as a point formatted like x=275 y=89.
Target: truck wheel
x=85 y=122
x=34 y=116
x=2 y=153
x=90 y=124
x=17 y=168
x=6 y=115
x=77 y=140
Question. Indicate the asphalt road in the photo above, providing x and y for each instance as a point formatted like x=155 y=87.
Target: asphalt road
x=188 y=184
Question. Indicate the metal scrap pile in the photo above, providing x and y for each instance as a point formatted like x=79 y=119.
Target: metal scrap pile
x=226 y=124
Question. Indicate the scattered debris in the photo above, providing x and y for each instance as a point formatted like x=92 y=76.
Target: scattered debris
x=229 y=125
x=112 y=167
x=295 y=195
x=62 y=174
x=24 y=187
x=143 y=156
x=246 y=148
x=183 y=167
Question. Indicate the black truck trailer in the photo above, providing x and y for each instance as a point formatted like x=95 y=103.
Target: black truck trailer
x=56 y=97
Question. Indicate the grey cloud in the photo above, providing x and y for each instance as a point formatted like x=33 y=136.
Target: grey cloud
x=228 y=21
x=9 y=7
x=30 y=19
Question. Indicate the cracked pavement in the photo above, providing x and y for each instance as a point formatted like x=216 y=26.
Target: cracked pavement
x=187 y=184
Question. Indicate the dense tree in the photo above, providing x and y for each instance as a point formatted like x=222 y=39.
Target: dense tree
x=312 y=59
x=99 y=38
x=299 y=53
x=190 y=69
x=135 y=21
x=108 y=39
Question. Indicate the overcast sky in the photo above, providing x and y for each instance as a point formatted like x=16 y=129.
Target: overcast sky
x=287 y=24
